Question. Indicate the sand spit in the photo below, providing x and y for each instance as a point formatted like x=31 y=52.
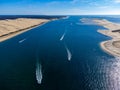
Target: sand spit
x=12 y=27
x=113 y=30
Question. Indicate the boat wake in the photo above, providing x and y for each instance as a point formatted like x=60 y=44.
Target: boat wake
x=21 y=41
x=69 y=54
x=63 y=36
x=38 y=72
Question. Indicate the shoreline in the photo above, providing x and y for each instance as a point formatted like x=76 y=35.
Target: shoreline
x=111 y=46
x=11 y=33
x=108 y=50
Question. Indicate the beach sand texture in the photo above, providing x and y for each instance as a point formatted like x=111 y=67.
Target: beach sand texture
x=12 y=27
x=113 y=30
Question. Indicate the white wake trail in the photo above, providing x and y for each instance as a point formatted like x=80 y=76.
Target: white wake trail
x=63 y=36
x=39 y=72
x=21 y=41
x=69 y=54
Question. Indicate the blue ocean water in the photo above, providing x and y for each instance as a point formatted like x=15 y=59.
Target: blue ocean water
x=61 y=55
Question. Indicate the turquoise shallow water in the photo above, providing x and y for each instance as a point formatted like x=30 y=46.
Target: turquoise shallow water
x=60 y=55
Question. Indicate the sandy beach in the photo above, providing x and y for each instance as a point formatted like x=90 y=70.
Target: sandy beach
x=112 y=30
x=12 y=27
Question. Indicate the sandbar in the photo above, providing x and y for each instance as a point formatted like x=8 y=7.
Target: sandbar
x=112 y=30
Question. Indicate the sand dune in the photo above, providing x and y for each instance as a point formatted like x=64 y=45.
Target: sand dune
x=13 y=27
x=113 y=30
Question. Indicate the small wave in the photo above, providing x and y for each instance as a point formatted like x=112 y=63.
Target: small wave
x=69 y=55
x=21 y=41
x=38 y=73
x=112 y=74
x=117 y=58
